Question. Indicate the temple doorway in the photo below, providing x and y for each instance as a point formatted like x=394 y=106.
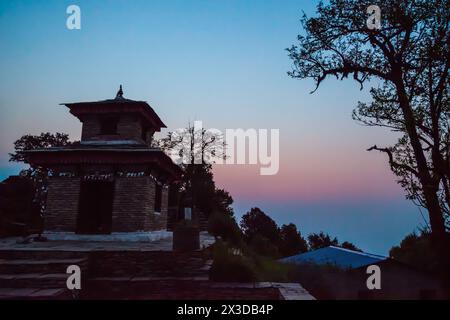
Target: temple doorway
x=95 y=207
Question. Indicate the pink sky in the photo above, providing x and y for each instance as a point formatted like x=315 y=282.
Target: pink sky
x=310 y=173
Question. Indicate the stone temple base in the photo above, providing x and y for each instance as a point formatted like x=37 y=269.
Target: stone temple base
x=150 y=241
x=140 y=236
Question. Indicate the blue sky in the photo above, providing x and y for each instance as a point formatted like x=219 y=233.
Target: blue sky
x=222 y=62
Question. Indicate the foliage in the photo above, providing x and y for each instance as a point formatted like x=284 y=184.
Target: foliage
x=37 y=174
x=416 y=250
x=263 y=235
x=321 y=240
x=257 y=223
x=410 y=58
x=268 y=269
x=263 y=246
x=194 y=150
x=350 y=246
x=18 y=211
x=197 y=187
x=193 y=145
x=31 y=142
x=292 y=241
x=223 y=202
x=228 y=266
x=225 y=227
x=245 y=266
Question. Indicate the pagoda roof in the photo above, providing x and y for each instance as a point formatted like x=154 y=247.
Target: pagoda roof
x=79 y=154
x=114 y=106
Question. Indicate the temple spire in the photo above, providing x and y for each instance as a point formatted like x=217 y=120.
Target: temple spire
x=119 y=94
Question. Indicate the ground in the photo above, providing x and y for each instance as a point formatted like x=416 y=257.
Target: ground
x=130 y=266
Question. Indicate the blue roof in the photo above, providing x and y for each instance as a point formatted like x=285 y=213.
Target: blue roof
x=340 y=257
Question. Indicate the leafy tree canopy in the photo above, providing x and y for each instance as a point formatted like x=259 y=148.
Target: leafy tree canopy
x=32 y=142
x=416 y=250
x=322 y=240
x=292 y=241
x=257 y=223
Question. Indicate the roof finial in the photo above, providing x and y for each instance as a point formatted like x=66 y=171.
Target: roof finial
x=119 y=93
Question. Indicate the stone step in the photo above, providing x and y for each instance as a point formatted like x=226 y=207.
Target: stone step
x=41 y=254
x=34 y=294
x=34 y=280
x=17 y=266
x=166 y=264
x=137 y=279
x=168 y=273
x=129 y=286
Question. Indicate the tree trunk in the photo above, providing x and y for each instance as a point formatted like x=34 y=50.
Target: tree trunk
x=430 y=187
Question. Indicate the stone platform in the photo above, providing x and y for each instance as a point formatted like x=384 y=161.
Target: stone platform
x=114 y=242
x=123 y=270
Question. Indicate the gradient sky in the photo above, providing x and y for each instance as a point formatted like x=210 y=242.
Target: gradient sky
x=222 y=62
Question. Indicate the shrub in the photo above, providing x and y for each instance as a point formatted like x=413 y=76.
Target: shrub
x=268 y=269
x=263 y=246
x=231 y=267
x=224 y=226
x=246 y=266
x=417 y=251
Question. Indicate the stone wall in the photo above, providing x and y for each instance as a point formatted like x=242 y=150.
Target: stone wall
x=165 y=200
x=62 y=203
x=133 y=207
x=130 y=127
x=145 y=263
x=91 y=127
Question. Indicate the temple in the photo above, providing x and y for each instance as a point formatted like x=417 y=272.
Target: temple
x=113 y=180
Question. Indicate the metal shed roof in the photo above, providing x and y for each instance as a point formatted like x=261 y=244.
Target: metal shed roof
x=340 y=257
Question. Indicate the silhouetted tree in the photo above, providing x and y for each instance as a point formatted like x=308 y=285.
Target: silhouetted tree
x=321 y=240
x=263 y=246
x=257 y=223
x=192 y=145
x=350 y=246
x=223 y=202
x=225 y=226
x=18 y=211
x=36 y=174
x=416 y=250
x=194 y=148
x=410 y=57
x=32 y=142
x=292 y=241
